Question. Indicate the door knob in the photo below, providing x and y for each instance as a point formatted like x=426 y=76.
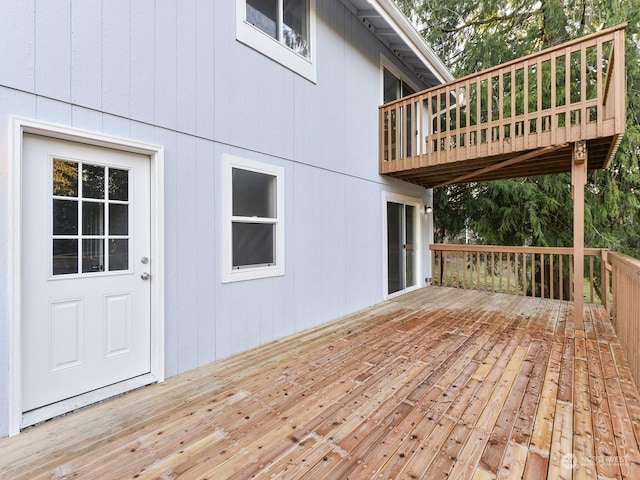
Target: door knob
x=145 y=276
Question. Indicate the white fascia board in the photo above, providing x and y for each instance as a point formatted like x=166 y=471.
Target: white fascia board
x=394 y=17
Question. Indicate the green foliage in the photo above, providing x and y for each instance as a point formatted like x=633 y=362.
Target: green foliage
x=472 y=35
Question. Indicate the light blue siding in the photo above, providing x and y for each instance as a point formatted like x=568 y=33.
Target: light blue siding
x=172 y=74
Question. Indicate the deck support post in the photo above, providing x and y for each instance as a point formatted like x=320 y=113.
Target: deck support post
x=578 y=182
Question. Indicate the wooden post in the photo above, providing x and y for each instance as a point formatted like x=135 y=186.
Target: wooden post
x=578 y=182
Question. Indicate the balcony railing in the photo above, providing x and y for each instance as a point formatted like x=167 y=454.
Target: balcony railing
x=536 y=106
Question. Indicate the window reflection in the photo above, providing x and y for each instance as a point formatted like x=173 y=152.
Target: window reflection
x=65 y=217
x=92 y=218
x=65 y=256
x=65 y=178
x=92 y=255
x=118 y=254
x=118 y=184
x=92 y=181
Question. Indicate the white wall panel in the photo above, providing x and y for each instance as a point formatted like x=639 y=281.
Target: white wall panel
x=142 y=60
x=86 y=119
x=207 y=259
x=186 y=49
x=165 y=68
x=186 y=252
x=17 y=40
x=319 y=221
x=86 y=53
x=205 y=74
x=53 y=49
x=53 y=111
x=116 y=126
x=363 y=244
x=116 y=48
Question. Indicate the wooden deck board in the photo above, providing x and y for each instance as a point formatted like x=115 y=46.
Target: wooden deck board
x=438 y=383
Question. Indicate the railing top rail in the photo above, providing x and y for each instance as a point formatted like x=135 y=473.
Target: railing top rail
x=629 y=264
x=511 y=249
x=522 y=60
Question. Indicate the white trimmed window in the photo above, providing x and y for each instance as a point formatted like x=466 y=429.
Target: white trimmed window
x=253 y=212
x=283 y=30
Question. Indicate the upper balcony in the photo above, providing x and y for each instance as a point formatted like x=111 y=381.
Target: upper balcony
x=518 y=119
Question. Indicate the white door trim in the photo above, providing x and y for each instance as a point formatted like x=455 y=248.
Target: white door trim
x=18 y=127
x=418 y=204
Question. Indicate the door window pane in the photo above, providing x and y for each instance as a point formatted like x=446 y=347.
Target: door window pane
x=410 y=247
x=118 y=219
x=92 y=181
x=83 y=216
x=118 y=184
x=92 y=218
x=92 y=255
x=395 y=257
x=253 y=244
x=65 y=217
x=65 y=256
x=118 y=254
x=65 y=178
x=401 y=247
x=254 y=194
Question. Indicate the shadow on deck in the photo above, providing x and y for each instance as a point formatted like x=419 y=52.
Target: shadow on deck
x=437 y=383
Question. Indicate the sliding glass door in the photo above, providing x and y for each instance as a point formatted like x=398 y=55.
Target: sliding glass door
x=401 y=246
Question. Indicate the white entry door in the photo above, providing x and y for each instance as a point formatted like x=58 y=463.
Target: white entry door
x=85 y=269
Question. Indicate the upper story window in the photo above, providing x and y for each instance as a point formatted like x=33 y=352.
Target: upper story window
x=283 y=30
x=253 y=196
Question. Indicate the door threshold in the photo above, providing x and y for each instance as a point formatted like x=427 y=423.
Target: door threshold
x=39 y=415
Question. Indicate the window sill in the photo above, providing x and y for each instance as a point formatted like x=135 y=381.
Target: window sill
x=244 y=274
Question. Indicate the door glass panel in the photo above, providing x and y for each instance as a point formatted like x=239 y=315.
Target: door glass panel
x=92 y=255
x=65 y=217
x=395 y=258
x=85 y=218
x=410 y=248
x=118 y=184
x=92 y=181
x=118 y=219
x=65 y=256
x=65 y=178
x=92 y=218
x=118 y=254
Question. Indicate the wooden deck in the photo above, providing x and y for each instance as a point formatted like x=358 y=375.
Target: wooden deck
x=438 y=383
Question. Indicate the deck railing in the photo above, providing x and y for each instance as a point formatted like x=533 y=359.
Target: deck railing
x=611 y=279
x=530 y=271
x=625 y=311
x=567 y=93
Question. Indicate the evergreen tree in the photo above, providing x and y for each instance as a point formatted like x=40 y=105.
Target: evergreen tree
x=472 y=35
